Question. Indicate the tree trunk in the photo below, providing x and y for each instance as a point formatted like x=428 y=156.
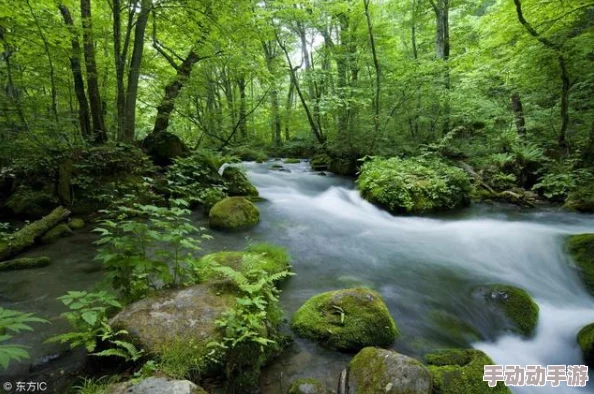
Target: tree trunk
x=288 y=107
x=442 y=50
x=378 y=74
x=518 y=113
x=276 y=121
x=120 y=63
x=172 y=90
x=99 y=130
x=79 y=85
x=134 y=72
x=242 y=109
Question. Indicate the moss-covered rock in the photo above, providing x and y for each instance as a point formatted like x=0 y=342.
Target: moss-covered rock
x=308 y=386
x=233 y=213
x=212 y=196
x=292 y=161
x=375 y=370
x=60 y=231
x=413 y=185
x=515 y=303
x=25 y=262
x=460 y=371
x=585 y=339
x=237 y=183
x=581 y=199
x=270 y=258
x=320 y=162
x=164 y=147
x=343 y=166
x=454 y=328
x=76 y=223
x=186 y=317
x=349 y=320
x=581 y=248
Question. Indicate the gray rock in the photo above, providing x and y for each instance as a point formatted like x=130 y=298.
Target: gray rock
x=155 y=385
x=375 y=370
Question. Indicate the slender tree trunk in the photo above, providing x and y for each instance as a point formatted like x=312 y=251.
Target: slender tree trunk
x=413 y=30
x=134 y=72
x=99 y=130
x=120 y=63
x=50 y=63
x=79 y=85
x=376 y=65
x=172 y=91
x=242 y=108
x=270 y=55
x=11 y=91
x=565 y=80
x=518 y=113
x=442 y=50
x=288 y=107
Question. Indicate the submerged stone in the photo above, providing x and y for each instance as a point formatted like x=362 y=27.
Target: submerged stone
x=585 y=339
x=25 y=262
x=375 y=370
x=515 y=303
x=460 y=371
x=581 y=249
x=308 y=386
x=348 y=320
x=60 y=231
x=233 y=213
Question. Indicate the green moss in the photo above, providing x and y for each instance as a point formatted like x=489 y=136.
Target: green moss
x=348 y=319
x=365 y=361
x=416 y=185
x=76 y=223
x=265 y=257
x=307 y=386
x=292 y=161
x=581 y=199
x=320 y=162
x=60 y=231
x=25 y=262
x=188 y=359
x=516 y=304
x=581 y=248
x=233 y=213
x=212 y=196
x=585 y=339
x=237 y=183
x=460 y=371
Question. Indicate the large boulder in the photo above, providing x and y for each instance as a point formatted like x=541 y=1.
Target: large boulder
x=308 y=386
x=415 y=185
x=237 y=183
x=581 y=248
x=457 y=371
x=375 y=370
x=164 y=147
x=187 y=316
x=585 y=339
x=348 y=320
x=233 y=213
x=513 y=303
x=156 y=385
x=25 y=262
x=54 y=234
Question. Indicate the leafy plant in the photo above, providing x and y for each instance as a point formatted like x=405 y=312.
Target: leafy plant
x=147 y=247
x=88 y=316
x=14 y=322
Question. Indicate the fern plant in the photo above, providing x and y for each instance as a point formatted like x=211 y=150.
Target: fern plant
x=14 y=322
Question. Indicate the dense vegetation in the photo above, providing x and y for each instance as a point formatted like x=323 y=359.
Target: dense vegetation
x=128 y=113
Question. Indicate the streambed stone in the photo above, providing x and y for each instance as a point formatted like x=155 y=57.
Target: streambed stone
x=348 y=320
x=233 y=213
x=375 y=370
x=156 y=385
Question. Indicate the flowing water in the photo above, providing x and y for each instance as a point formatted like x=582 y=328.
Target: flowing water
x=425 y=269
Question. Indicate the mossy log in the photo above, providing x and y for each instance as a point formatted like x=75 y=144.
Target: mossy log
x=27 y=236
x=24 y=263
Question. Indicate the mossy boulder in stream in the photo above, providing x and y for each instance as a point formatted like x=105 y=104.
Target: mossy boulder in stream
x=581 y=248
x=60 y=231
x=237 y=183
x=415 y=185
x=24 y=263
x=308 y=386
x=184 y=318
x=233 y=213
x=515 y=303
x=585 y=339
x=375 y=370
x=76 y=223
x=266 y=257
x=460 y=371
x=348 y=320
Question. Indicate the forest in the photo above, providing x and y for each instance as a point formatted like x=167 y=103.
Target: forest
x=302 y=197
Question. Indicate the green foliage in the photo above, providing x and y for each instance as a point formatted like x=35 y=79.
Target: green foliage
x=14 y=322
x=181 y=359
x=585 y=339
x=89 y=317
x=147 y=247
x=415 y=185
x=95 y=385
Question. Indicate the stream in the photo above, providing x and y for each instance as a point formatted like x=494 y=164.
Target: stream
x=424 y=267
